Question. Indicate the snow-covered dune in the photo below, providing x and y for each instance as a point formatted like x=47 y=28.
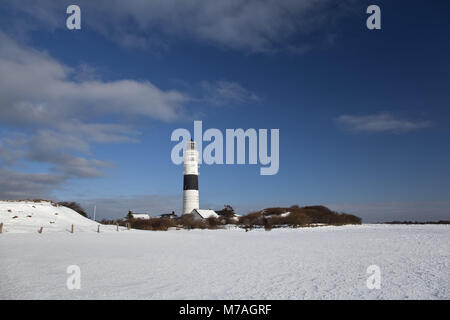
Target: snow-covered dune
x=30 y=216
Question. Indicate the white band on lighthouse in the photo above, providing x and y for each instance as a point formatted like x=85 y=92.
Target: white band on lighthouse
x=190 y=179
x=190 y=201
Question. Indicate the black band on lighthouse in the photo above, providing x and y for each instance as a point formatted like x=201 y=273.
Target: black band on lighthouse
x=190 y=182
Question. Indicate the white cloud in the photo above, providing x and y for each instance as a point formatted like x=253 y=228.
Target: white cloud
x=15 y=185
x=53 y=119
x=249 y=25
x=226 y=92
x=381 y=122
x=35 y=88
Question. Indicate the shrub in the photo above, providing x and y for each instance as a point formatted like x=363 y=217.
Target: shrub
x=229 y=220
x=213 y=223
x=274 y=211
x=129 y=216
x=298 y=217
x=161 y=224
x=267 y=224
x=252 y=219
x=227 y=211
x=106 y=221
x=187 y=221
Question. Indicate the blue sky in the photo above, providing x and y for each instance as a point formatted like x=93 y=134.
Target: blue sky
x=363 y=114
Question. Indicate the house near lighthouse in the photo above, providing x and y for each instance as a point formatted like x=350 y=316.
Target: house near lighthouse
x=200 y=214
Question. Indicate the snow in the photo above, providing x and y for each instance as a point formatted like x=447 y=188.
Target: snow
x=30 y=216
x=283 y=215
x=305 y=263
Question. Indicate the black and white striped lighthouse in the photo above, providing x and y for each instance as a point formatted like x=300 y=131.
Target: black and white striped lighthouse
x=190 y=183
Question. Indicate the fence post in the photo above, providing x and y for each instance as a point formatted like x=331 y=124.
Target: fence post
x=98 y=229
x=72 y=229
x=128 y=226
x=40 y=230
x=117 y=225
x=1 y=227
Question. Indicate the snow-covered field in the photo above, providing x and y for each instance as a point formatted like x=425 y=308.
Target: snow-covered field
x=309 y=263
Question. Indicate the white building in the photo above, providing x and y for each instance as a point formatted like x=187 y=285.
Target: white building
x=140 y=216
x=204 y=214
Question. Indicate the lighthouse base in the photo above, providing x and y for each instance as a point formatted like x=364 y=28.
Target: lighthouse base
x=190 y=201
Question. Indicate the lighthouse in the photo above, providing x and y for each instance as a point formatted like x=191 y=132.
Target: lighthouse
x=190 y=183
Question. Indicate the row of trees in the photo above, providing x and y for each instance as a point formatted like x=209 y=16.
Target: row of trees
x=269 y=218
x=294 y=216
